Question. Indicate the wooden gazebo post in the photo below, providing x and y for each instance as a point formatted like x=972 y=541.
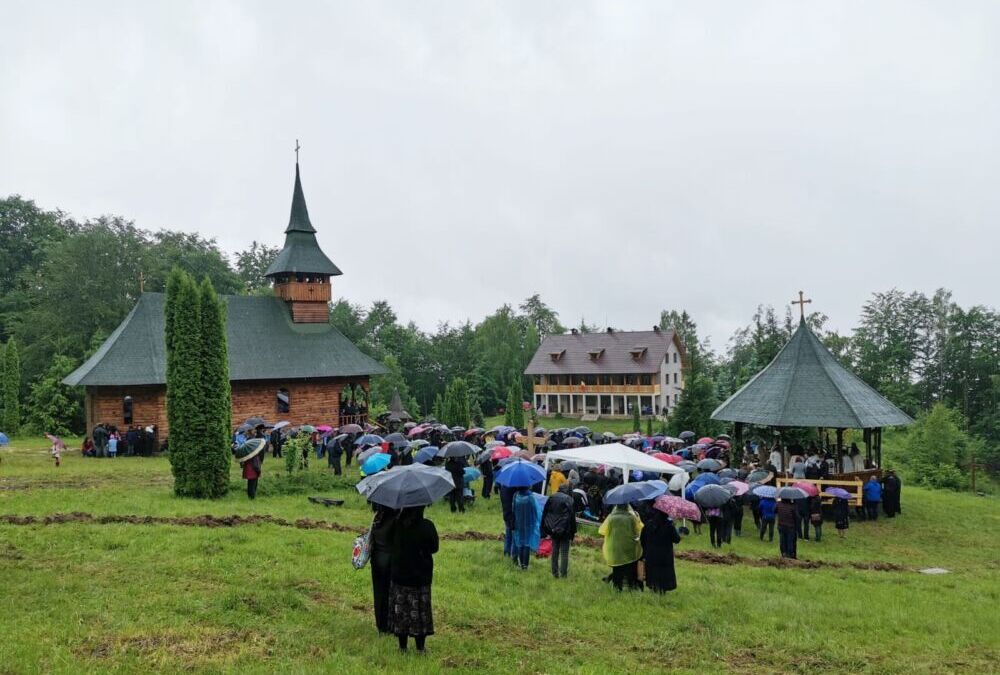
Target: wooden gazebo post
x=738 y=442
x=840 y=450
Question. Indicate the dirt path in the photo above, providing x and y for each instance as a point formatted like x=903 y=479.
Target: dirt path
x=704 y=557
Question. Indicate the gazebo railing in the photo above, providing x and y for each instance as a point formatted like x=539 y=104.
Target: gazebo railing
x=853 y=486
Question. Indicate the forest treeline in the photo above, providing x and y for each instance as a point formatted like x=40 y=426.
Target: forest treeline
x=65 y=285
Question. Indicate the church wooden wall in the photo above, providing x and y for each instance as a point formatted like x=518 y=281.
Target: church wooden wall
x=312 y=401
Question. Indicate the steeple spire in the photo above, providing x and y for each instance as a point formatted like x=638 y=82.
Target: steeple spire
x=299 y=221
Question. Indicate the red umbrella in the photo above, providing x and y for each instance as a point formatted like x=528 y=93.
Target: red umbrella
x=808 y=488
x=472 y=432
x=677 y=507
x=662 y=456
x=705 y=440
x=500 y=453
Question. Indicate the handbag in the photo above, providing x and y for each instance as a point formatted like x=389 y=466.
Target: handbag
x=362 y=548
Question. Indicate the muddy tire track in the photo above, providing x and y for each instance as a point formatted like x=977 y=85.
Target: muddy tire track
x=210 y=521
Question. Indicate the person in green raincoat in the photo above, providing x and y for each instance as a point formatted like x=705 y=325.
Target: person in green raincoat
x=622 y=549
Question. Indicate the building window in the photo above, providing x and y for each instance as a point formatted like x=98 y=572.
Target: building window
x=645 y=380
x=675 y=378
x=284 y=401
x=127 y=410
x=538 y=379
x=675 y=357
x=676 y=398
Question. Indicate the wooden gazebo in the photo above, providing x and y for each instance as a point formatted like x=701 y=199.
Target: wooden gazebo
x=805 y=386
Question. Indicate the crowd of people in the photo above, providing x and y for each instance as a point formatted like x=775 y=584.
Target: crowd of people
x=107 y=440
x=542 y=510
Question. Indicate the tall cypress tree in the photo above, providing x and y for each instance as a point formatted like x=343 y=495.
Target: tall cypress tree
x=11 y=383
x=514 y=400
x=214 y=458
x=184 y=383
x=636 y=424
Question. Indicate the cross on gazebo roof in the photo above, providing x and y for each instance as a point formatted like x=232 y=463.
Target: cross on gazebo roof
x=802 y=302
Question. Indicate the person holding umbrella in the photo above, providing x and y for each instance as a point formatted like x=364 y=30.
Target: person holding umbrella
x=658 y=538
x=621 y=531
x=486 y=466
x=456 y=467
x=559 y=523
x=841 y=511
x=411 y=570
x=787 y=524
x=527 y=518
x=250 y=457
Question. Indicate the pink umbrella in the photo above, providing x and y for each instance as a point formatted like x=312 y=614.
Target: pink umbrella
x=323 y=428
x=808 y=488
x=677 y=507
x=500 y=453
x=706 y=440
x=664 y=457
x=741 y=487
x=416 y=431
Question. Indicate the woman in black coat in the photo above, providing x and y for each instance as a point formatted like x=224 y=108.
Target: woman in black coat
x=658 y=538
x=414 y=542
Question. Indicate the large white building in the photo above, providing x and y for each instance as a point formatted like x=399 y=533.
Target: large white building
x=608 y=373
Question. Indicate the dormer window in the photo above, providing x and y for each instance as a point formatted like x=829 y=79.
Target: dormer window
x=637 y=352
x=596 y=354
x=555 y=356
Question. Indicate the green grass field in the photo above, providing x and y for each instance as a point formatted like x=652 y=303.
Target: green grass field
x=92 y=593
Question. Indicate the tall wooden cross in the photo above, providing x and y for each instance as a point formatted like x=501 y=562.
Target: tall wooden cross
x=297 y=146
x=802 y=302
x=142 y=282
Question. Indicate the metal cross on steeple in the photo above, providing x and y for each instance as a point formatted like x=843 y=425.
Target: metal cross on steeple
x=297 y=146
x=802 y=302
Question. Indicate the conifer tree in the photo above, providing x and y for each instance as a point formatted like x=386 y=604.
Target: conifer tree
x=636 y=424
x=649 y=426
x=184 y=385
x=11 y=384
x=214 y=458
x=514 y=400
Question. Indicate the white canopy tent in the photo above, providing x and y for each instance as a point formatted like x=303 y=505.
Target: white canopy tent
x=613 y=454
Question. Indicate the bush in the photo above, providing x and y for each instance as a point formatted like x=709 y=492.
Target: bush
x=293 y=451
x=942 y=476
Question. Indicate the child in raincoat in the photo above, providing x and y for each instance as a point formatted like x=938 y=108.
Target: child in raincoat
x=622 y=550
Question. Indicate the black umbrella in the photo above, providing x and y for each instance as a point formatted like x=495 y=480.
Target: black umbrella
x=687 y=466
x=759 y=476
x=370 y=452
x=255 y=421
x=572 y=441
x=687 y=434
x=712 y=496
x=709 y=465
x=791 y=493
x=397 y=440
x=458 y=449
x=582 y=430
x=340 y=437
x=405 y=486
x=728 y=473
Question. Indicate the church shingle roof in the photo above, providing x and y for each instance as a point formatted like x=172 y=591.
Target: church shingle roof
x=264 y=344
x=805 y=386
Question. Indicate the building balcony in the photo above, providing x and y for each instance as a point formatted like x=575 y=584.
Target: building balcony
x=599 y=389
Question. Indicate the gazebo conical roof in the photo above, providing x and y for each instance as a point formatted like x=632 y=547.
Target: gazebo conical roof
x=805 y=386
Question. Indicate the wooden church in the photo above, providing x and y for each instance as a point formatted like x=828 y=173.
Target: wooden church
x=286 y=362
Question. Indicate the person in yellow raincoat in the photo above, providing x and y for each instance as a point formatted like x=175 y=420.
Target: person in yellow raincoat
x=556 y=478
x=622 y=549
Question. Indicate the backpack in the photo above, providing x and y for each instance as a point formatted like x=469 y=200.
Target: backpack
x=362 y=548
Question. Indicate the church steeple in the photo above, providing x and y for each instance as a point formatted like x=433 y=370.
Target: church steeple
x=301 y=271
x=299 y=221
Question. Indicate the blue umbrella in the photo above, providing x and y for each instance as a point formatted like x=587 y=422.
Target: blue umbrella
x=635 y=492
x=707 y=479
x=368 y=439
x=471 y=474
x=4 y=440
x=425 y=455
x=375 y=464
x=766 y=491
x=699 y=482
x=520 y=474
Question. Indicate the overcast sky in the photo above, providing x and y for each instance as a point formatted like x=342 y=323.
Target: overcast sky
x=616 y=157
